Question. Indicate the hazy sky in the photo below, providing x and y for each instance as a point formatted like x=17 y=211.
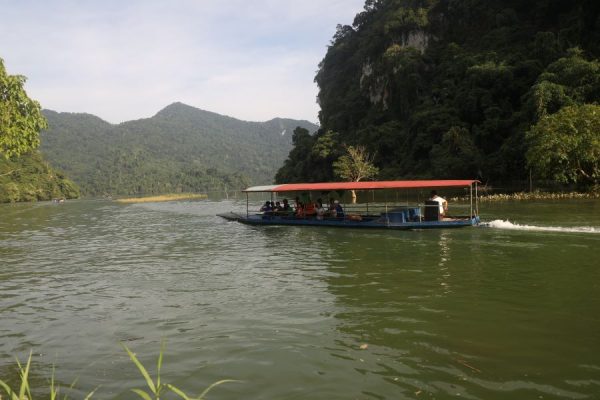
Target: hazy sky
x=127 y=59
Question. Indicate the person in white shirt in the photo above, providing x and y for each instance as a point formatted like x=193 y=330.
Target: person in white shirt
x=441 y=201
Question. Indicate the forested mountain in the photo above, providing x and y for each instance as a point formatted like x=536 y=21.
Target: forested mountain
x=181 y=148
x=453 y=89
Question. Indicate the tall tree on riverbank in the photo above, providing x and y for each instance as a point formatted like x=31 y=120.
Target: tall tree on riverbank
x=355 y=166
x=21 y=118
x=565 y=146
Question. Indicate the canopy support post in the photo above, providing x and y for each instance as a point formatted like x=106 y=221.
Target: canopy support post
x=476 y=201
x=471 y=200
x=387 y=215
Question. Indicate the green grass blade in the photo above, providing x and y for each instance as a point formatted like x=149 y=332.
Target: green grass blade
x=53 y=389
x=142 y=394
x=25 y=378
x=143 y=371
x=178 y=392
x=8 y=390
x=159 y=363
x=208 y=389
x=89 y=396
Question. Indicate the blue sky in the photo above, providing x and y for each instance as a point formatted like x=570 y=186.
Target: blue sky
x=123 y=60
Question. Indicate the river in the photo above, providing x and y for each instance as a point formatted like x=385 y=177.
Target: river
x=506 y=310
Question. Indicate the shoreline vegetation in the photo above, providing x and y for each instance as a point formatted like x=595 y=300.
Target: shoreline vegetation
x=163 y=198
x=155 y=388
x=535 y=195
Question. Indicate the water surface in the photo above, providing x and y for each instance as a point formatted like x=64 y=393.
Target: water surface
x=511 y=310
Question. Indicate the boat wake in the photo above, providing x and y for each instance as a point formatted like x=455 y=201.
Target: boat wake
x=500 y=224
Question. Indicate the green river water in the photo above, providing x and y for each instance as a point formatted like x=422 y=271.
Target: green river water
x=510 y=310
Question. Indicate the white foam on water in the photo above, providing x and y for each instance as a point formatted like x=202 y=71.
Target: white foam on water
x=500 y=224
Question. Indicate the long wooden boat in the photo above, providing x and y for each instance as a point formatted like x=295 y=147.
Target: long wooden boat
x=387 y=215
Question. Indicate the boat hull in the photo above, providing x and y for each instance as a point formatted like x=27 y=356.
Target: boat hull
x=373 y=223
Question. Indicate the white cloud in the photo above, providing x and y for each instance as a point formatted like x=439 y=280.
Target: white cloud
x=126 y=60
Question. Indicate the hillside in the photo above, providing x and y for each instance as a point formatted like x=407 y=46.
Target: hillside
x=451 y=89
x=181 y=148
x=29 y=178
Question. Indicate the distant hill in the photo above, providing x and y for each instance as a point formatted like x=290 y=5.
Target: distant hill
x=181 y=148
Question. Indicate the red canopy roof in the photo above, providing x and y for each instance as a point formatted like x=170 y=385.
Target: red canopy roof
x=374 y=185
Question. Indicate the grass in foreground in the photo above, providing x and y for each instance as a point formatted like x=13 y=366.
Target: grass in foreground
x=164 y=197
x=156 y=387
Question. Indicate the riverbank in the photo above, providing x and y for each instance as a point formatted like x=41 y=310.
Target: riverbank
x=164 y=197
x=536 y=195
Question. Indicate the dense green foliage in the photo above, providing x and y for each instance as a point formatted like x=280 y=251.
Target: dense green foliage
x=449 y=88
x=21 y=118
x=30 y=178
x=566 y=146
x=24 y=175
x=180 y=149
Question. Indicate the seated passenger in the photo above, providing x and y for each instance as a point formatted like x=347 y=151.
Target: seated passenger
x=309 y=209
x=339 y=211
x=278 y=207
x=266 y=207
x=331 y=208
x=319 y=209
x=299 y=209
x=286 y=206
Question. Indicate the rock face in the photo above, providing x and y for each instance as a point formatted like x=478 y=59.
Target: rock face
x=417 y=39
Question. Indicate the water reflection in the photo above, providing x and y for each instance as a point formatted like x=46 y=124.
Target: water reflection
x=444 y=246
x=423 y=311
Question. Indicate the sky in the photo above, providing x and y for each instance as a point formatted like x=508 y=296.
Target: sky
x=127 y=59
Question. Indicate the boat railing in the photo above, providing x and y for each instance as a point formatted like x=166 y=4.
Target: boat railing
x=385 y=212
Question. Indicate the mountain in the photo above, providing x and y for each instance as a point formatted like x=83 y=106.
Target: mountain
x=452 y=88
x=181 y=148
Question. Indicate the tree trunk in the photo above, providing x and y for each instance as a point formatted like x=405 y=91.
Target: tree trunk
x=353 y=193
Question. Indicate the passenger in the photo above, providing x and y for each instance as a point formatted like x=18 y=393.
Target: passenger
x=309 y=209
x=331 y=208
x=286 y=206
x=299 y=209
x=278 y=207
x=320 y=210
x=266 y=207
x=339 y=211
x=441 y=201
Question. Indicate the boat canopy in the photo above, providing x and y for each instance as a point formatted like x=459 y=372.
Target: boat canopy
x=367 y=185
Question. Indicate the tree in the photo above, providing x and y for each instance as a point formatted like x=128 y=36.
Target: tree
x=21 y=118
x=455 y=156
x=567 y=81
x=355 y=166
x=566 y=146
x=293 y=168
